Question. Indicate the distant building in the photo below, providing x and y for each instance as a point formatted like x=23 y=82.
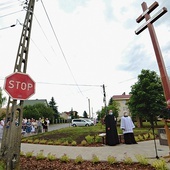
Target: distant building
x=35 y=101
x=122 y=100
x=65 y=115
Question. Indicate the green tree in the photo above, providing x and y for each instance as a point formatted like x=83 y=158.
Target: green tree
x=52 y=105
x=38 y=110
x=2 y=99
x=85 y=115
x=114 y=106
x=147 y=98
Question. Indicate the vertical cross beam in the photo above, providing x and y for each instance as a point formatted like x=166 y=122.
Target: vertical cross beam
x=149 y=24
x=11 y=140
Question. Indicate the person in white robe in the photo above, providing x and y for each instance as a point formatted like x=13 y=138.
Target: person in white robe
x=127 y=127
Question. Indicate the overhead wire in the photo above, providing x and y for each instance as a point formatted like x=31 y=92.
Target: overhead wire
x=44 y=34
x=60 y=47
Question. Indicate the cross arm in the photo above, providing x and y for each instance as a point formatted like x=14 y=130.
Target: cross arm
x=149 y=10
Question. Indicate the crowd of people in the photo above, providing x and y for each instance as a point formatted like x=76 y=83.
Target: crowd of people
x=32 y=126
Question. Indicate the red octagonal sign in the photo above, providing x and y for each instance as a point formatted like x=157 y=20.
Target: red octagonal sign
x=19 y=86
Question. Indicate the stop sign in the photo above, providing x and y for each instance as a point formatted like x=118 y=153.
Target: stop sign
x=19 y=86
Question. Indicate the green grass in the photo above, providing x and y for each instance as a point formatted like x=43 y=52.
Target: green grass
x=79 y=133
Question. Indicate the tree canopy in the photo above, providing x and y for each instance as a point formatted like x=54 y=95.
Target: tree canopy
x=37 y=111
x=53 y=106
x=147 y=100
x=2 y=99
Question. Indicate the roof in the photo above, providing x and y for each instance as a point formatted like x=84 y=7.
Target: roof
x=121 y=97
x=35 y=101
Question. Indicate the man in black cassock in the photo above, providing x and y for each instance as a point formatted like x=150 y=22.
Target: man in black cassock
x=111 y=130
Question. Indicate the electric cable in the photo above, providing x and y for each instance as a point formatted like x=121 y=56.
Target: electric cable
x=60 y=47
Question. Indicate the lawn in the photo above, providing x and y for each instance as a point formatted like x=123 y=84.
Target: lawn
x=78 y=134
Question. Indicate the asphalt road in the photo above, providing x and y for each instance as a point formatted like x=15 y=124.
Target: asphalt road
x=58 y=126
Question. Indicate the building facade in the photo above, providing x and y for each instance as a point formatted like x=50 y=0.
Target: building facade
x=122 y=100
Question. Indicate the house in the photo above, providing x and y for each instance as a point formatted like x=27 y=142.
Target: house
x=65 y=115
x=122 y=100
x=35 y=101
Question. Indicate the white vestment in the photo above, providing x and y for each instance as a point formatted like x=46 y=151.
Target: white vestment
x=127 y=124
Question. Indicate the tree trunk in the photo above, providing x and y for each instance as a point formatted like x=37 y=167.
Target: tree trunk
x=139 y=122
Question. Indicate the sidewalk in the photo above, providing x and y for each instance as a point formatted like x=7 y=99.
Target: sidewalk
x=146 y=148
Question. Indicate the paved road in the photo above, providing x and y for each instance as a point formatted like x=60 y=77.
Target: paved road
x=58 y=126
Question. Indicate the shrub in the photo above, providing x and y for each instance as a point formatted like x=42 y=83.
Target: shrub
x=111 y=159
x=40 y=155
x=78 y=159
x=65 y=143
x=142 y=160
x=51 y=157
x=146 y=136
x=30 y=140
x=160 y=165
x=43 y=141
x=22 y=153
x=127 y=159
x=29 y=154
x=57 y=142
x=137 y=139
x=89 y=139
x=140 y=137
x=50 y=143
x=95 y=159
x=73 y=143
x=24 y=140
x=65 y=158
x=36 y=141
x=98 y=139
x=83 y=143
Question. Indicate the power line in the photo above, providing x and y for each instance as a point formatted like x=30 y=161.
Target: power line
x=60 y=47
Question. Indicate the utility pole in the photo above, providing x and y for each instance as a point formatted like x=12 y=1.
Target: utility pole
x=89 y=108
x=164 y=76
x=104 y=99
x=11 y=140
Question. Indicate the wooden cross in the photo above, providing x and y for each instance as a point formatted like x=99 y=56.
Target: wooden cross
x=149 y=24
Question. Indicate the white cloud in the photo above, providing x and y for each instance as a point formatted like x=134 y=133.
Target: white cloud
x=99 y=45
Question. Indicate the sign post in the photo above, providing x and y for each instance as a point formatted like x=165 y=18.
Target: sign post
x=19 y=87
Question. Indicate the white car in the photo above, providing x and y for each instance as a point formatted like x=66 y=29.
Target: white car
x=80 y=122
x=90 y=121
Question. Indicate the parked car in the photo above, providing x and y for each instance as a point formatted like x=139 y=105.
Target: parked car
x=90 y=121
x=80 y=122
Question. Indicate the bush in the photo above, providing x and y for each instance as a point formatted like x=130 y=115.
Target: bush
x=89 y=139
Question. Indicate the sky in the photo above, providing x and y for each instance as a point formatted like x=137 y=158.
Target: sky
x=77 y=46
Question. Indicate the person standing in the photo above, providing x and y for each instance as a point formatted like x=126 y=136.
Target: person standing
x=45 y=126
x=127 y=127
x=112 y=138
x=28 y=127
x=39 y=126
x=2 y=122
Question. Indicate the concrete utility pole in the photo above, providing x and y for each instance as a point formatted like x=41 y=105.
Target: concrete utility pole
x=104 y=98
x=11 y=140
x=89 y=108
x=149 y=24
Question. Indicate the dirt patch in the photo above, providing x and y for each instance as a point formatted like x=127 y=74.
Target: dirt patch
x=32 y=163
